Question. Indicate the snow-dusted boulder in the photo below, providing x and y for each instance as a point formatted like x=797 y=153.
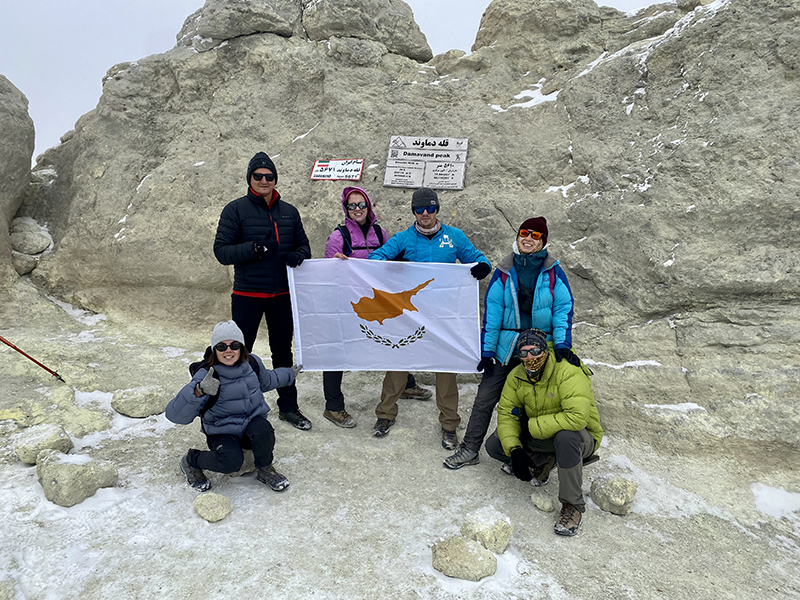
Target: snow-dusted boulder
x=68 y=479
x=213 y=507
x=490 y=527
x=463 y=558
x=614 y=494
x=542 y=502
x=141 y=402
x=32 y=441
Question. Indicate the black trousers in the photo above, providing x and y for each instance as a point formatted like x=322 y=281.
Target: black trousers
x=277 y=311
x=226 y=452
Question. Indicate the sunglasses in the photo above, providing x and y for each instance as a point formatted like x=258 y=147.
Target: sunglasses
x=267 y=176
x=535 y=352
x=353 y=205
x=428 y=209
x=222 y=346
x=530 y=232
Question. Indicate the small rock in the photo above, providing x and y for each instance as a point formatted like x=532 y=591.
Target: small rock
x=489 y=527
x=141 y=402
x=30 y=242
x=543 y=503
x=213 y=507
x=463 y=558
x=614 y=494
x=23 y=263
x=248 y=466
x=33 y=440
x=68 y=479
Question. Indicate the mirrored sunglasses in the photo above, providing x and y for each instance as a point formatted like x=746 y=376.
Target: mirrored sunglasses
x=530 y=232
x=353 y=205
x=267 y=176
x=534 y=352
x=222 y=346
x=428 y=209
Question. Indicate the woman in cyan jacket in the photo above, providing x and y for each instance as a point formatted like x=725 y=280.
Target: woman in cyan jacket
x=227 y=392
x=528 y=290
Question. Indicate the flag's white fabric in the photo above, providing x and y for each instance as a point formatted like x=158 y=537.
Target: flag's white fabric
x=442 y=335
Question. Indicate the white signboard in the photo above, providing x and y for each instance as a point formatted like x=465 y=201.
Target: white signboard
x=437 y=163
x=349 y=169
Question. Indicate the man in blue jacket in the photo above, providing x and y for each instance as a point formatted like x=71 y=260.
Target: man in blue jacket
x=260 y=234
x=427 y=240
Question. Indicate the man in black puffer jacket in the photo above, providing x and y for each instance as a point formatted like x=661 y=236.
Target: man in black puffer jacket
x=259 y=234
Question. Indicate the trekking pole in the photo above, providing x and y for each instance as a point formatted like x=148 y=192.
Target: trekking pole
x=29 y=357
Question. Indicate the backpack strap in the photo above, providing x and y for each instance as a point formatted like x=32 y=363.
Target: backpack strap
x=378 y=233
x=347 y=241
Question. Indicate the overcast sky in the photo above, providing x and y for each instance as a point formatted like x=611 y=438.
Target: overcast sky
x=57 y=51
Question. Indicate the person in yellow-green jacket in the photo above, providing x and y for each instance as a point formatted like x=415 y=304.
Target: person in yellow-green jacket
x=547 y=417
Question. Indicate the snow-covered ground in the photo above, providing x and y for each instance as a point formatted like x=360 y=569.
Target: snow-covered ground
x=361 y=513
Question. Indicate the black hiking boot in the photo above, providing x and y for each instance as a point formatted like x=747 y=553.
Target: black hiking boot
x=296 y=419
x=195 y=477
x=381 y=427
x=272 y=478
x=449 y=440
x=541 y=474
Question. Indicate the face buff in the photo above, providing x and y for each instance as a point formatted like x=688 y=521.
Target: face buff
x=534 y=365
x=534 y=358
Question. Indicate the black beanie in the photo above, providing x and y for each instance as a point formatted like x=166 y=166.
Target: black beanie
x=261 y=161
x=537 y=224
x=532 y=337
x=424 y=197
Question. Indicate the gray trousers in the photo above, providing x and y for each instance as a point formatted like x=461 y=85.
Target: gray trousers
x=570 y=448
x=489 y=390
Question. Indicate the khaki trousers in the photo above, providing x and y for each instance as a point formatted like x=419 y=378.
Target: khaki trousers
x=446 y=397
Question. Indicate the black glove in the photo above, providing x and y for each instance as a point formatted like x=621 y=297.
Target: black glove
x=572 y=358
x=295 y=259
x=401 y=257
x=520 y=465
x=486 y=365
x=480 y=270
x=267 y=247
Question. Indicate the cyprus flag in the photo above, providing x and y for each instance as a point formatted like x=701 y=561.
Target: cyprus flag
x=371 y=315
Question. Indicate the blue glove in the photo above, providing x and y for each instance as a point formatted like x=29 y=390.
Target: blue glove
x=572 y=358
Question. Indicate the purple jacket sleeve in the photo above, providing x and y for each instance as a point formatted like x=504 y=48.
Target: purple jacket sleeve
x=334 y=244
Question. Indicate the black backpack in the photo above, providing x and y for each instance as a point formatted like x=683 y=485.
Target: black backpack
x=347 y=246
x=205 y=364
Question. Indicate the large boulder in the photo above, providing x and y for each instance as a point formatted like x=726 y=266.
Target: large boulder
x=68 y=479
x=663 y=149
x=48 y=436
x=16 y=150
x=463 y=558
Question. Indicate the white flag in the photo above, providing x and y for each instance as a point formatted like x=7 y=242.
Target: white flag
x=371 y=315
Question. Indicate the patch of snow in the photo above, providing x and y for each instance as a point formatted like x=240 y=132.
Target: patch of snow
x=775 y=502
x=82 y=316
x=592 y=65
x=576 y=242
x=199 y=164
x=535 y=95
x=141 y=183
x=373 y=166
x=634 y=364
x=300 y=137
x=683 y=407
x=171 y=352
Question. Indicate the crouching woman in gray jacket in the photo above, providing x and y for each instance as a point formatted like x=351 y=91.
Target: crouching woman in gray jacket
x=226 y=391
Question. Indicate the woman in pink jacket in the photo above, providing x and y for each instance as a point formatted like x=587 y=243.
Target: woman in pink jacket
x=357 y=238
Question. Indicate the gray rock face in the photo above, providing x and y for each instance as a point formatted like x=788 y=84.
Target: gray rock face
x=213 y=507
x=141 y=402
x=16 y=150
x=662 y=148
x=68 y=479
x=490 y=528
x=614 y=494
x=33 y=440
x=463 y=558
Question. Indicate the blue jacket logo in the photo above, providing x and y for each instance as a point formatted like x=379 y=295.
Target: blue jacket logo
x=446 y=241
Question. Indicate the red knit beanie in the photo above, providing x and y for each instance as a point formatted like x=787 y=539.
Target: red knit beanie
x=536 y=224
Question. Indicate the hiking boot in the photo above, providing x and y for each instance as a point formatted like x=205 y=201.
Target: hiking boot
x=449 y=440
x=506 y=468
x=195 y=477
x=381 y=427
x=272 y=478
x=541 y=474
x=417 y=393
x=569 y=521
x=296 y=419
x=340 y=418
x=463 y=457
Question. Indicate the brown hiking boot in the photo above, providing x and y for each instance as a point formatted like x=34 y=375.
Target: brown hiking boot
x=569 y=521
x=541 y=474
x=340 y=418
x=417 y=393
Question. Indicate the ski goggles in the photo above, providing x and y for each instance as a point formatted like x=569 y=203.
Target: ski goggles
x=353 y=205
x=267 y=176
x=530 y=232
x=428 y=209
x=222 y=346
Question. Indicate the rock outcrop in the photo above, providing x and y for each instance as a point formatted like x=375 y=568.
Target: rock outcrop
x=16 y=150
x=663 y=149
